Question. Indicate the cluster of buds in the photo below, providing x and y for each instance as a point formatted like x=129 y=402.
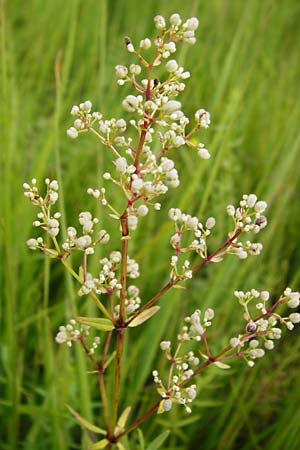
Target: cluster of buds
x=262 y=331
x=46 y=219
x=248 y=216
x=132 y=301
x=86 y=241
x=107 y=280
x=71 y=332
x=196 y=327
x=186 y=223
x=84 y=118
x=141 y=173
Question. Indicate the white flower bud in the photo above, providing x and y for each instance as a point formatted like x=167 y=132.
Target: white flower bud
x=171 y=106
x=121 y=71
x=132 y=222
x=54 y=185
x=160 y=22
x=167 y=404
x=234 y=342
x=265 y=295
x=210 y=223
x=294 y=300
x=294 y=317
x=121 y=165
x=86 y=106
x=165 y=345
x=103 y=237
x=78 y=124
x=84 y=241
x=269 y=345
x=145 y=44
x=175 y=20
x=72 y=132
x=260 y=206
x=142 y=210
x=137 y=185
x=32 y=244
x=192 y=24
x=251 y=200
x=130 y=103
x=61 y=337
x=74 y=110
x=230 y=210
x=203 y=153
x=203 y=117
x=172 y=65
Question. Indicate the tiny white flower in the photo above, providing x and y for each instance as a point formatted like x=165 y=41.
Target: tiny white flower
x=294 y=317
x=121 y=165
x=121 y=71
x=192 y=23
x=72 y=132
x=145 y=44
x=175 y=19
x=165 y=345
x=210 y=223
x=203 y=153
x=142 y=210
x=260 y=206
x=234 y=342
x=160 y=22
x=172 y=65
x=167 y=404
x=74 y=110
x=132 y=222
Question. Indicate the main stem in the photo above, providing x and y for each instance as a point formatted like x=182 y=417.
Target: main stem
x=125 y=236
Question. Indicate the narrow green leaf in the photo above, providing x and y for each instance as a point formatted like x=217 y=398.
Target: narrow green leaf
x=221 y=365
x=110 y=359
x=178 y=286
x=122 y=421
x=120 y=446
x=123 y=417
x=157 y=443
x=85 y=423
x=141 y=439
x=95 y=322
x=98 y=445
x=160 y=408
x=145 y=315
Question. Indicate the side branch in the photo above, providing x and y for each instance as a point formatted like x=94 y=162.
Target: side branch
x=171 y=282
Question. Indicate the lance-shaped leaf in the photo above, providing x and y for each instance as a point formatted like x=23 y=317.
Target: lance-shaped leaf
x=120 y=446
x=85 y=423
x=122 y=421
x=158 y=442
x=95 y=322
x=221 y=365
x=145 y=315
x=98 y=445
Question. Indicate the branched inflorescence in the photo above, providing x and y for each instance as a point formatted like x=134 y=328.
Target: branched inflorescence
x=143 y=171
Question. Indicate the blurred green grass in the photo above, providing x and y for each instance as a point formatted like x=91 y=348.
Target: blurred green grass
x=245 y=70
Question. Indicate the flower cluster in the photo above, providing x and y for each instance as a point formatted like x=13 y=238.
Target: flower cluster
x=142 y=173
x=84 y=119
x=182 y=366
x=46 y=219
x=185 y=223
x=107 y=280
x=71 y=332
x=262 y=331
x=132 y=301
x=88 y=239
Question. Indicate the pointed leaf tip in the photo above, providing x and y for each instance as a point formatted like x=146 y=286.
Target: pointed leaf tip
x=145 y=315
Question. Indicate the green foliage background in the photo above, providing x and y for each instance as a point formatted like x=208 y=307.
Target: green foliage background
x=245 y=71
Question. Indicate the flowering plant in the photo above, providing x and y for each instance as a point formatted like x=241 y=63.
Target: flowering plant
x=143 y=171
